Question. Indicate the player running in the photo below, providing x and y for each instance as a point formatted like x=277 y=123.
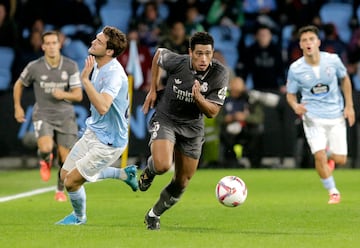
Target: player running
x=322 y=107
x=56 y=83
x=196 y=85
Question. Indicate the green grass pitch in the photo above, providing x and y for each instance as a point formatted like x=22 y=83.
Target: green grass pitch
x=284 y=208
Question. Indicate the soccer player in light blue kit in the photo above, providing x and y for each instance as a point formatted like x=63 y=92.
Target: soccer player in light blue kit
x=106 y=135
x=324 y=107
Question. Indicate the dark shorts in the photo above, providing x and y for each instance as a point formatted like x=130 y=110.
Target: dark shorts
x=185 y=139
x=65 y=133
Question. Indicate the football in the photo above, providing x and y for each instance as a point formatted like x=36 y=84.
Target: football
x=231 y=191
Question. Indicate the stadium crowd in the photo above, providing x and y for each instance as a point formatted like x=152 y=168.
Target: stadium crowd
x=256 y=40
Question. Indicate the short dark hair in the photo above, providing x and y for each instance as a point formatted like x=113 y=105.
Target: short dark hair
x=202 y=38
x=309 y=28
x=51 y=32
x=116 y=40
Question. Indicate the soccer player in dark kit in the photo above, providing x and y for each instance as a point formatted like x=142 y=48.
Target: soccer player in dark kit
x=196 y=86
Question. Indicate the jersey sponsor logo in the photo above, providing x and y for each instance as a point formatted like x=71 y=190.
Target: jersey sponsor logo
x=320 y=89
x=183 y=95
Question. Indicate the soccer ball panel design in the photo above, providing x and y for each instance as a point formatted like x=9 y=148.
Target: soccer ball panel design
x=231 y=191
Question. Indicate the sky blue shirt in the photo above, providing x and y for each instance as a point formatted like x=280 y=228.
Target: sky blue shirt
x=322 y=96
x=111 y=128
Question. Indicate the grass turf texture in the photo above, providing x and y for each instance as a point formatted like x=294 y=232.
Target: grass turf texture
x=284 y=208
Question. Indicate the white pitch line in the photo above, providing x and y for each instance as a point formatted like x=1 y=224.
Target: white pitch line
x=26 y=194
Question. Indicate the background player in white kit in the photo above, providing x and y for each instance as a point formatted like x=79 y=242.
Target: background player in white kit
x=323 y=106
x=56 y=83
x=106 y=134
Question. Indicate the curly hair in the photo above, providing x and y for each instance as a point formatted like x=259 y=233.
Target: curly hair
x=116 y=40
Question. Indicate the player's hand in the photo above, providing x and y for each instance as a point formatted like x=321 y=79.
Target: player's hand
x=300 y=109
x=20 y=114
x=196 y=90
x=349 y=114
x=149 y=102
x=89 y=65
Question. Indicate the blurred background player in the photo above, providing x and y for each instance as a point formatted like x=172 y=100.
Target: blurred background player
x=56 y=83
x=324 y=105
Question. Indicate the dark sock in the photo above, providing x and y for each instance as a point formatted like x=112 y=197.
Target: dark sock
x=169 y=196
x=44 y=156
x=60 y=183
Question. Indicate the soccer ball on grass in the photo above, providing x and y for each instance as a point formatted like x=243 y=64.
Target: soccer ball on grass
x=231 y=191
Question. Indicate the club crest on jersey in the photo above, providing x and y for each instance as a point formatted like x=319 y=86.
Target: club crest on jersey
x=43 y=77
x=64 y=75
x=204 y=87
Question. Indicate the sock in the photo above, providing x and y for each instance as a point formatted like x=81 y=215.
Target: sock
x=169 y=196
x=152 y=214
x=60 y=183
x=44 y=156
x=111 y=172
x=329 y=184
x=151 y=168
x=78 y=202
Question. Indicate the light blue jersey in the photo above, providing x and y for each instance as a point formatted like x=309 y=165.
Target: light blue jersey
x=321 y=94
x=111 y=128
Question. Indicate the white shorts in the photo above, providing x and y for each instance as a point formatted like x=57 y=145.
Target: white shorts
x=90 y=156
x=326 y=133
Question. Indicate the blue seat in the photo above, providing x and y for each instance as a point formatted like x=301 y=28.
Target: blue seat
x=286 y=35
x=7 y=58
x=76 y=50
x=116 y=15
x=340 y=15
x=226 y=41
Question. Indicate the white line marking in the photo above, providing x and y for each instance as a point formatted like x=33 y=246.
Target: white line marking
x=26 y=194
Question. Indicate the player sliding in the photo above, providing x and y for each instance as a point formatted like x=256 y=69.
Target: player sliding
x=322 y=108
x=196 y=86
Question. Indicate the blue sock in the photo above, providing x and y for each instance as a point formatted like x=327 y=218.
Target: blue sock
x=78 y=202
x=109 y=172
x=329 y=184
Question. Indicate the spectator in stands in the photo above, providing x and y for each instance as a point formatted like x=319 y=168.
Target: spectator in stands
x=331 y=42
x=149 y=25
x=265 y=11
x=243 y=123
x=144 y=57
x=9 y=36
x=231 y=10
x=263 y=60
x=31 y=50
x=193 y=21
x=176 y=39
